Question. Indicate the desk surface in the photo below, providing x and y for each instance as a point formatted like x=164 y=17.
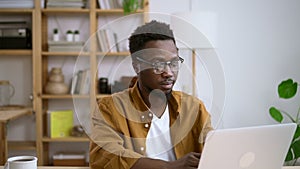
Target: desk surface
x=11 y=113
x=52 y=167
x=8 y=113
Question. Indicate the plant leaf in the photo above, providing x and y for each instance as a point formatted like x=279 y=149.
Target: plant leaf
x=296 y=149
x=276 y=114
x=130 y=6
x=289 y=155
x=297 y=133
x=287 y=89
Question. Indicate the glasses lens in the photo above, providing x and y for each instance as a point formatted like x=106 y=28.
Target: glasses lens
x=174 y=65
x=159 y=67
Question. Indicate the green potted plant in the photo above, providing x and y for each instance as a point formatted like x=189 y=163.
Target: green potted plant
x=130 y=6
x=287 y=89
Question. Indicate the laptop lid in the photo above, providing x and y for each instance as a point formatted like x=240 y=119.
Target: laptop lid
x=259 y=147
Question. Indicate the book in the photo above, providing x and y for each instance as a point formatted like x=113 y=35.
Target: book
x=102 y=4
x=110 y=4
x=100 y=41
x=73 y=84
x=69 y=159
x=85 y=82
x=66 y=3
x=77 y=85
x=60 y=123
x=111 y=37
x=81 y=82
x=104 y=41
x=64 y=46
x=107 y=40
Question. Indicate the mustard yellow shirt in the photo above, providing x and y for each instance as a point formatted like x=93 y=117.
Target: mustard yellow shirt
x=120 y=127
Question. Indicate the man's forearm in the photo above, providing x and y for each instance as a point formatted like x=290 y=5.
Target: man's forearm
x=189 y=161
x=148 y=163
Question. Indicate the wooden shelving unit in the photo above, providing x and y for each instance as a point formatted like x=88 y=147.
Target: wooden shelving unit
x=40 y=55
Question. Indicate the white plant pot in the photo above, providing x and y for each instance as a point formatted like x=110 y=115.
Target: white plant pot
x=295 y=162
x=76 y=38
x=56 y=37
x=70 y=37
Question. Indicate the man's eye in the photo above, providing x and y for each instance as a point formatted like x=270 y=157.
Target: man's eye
x=159 y=64
x=174 y=63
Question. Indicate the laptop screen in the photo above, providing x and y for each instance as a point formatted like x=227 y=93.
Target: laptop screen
x=258 y=147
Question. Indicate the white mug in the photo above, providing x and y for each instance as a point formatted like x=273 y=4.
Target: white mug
x=21 y=162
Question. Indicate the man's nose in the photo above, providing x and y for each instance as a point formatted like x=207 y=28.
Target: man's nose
x=167 y=71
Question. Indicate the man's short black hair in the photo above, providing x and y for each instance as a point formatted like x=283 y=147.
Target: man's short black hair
x=153 y=30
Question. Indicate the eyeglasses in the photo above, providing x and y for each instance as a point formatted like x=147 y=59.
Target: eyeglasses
x=160 y=67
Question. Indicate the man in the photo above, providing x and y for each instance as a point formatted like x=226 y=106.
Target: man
x=150 y=125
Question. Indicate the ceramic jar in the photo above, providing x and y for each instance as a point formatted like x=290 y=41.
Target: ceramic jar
x=7 y=90
x=56 y=83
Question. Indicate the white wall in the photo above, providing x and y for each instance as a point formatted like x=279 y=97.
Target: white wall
x=257 y=46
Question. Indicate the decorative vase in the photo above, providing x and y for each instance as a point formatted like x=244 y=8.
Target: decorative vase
x=56 y=83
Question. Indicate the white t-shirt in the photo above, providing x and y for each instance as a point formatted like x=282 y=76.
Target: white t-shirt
x=158 y=141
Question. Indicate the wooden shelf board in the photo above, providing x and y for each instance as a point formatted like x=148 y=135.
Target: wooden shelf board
x=65 y=11
x=21 y=145
x=16 y=10
x=48 y=96
x=114 y=11
x=66 y=96
x=66 y=139
x=113 y=54
x=65 y=53
x=16 y=52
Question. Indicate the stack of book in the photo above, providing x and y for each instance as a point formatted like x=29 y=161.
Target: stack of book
x=108 y=41
x=69 y=159
x=65 y=46
x=66 y=3
x=110 y=4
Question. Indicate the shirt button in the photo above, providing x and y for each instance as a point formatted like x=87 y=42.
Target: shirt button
x=142 y=148
x=146 y=125
x=143 y=117
x=150 y=115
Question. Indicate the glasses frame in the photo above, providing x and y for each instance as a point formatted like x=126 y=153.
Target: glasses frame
x=153 y=64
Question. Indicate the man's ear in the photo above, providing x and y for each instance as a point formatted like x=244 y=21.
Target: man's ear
x=136 y=66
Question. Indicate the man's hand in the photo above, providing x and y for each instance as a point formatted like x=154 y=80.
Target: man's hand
x=189 y=161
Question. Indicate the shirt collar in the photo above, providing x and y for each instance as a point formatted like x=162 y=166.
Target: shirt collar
x=174 y=101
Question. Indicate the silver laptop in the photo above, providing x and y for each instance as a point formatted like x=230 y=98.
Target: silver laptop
x=259 y=147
